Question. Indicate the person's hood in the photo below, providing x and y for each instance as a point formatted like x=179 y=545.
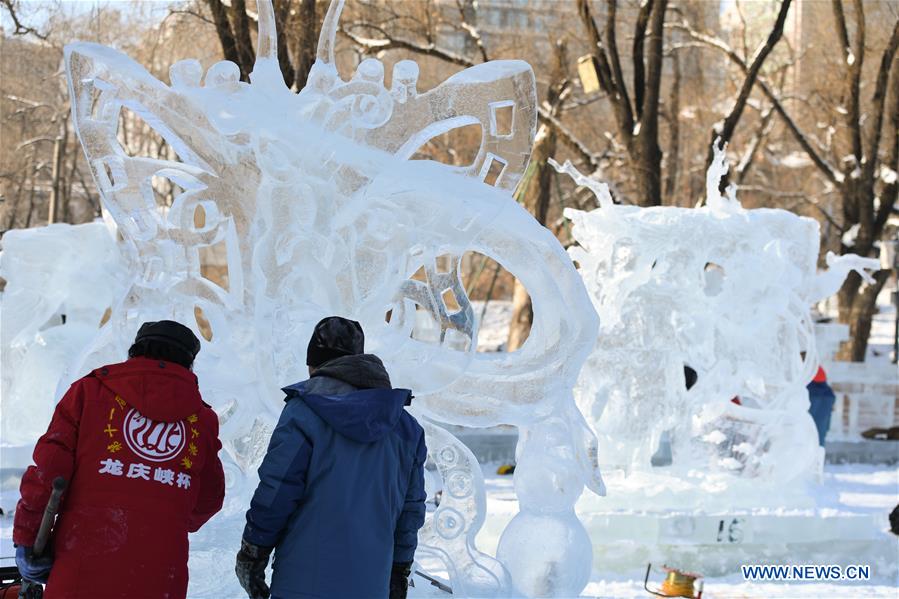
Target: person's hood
x=162 y=391
x=353 y=395
x=362 y=371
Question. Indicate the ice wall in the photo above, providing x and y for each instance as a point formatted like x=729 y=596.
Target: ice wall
x=727 y=292
x=321 y=211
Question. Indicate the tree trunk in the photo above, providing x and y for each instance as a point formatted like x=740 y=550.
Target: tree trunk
x=282 y=16
x=307 y=42
x=646 y=169
x=223 y=30
x=522 y=317
x=536 y=195
x=241 y=27
x=858 y=312
x=673 y=159
x=55 y=191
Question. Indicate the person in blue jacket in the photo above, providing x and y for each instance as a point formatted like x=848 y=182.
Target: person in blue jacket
x=821 y=399
x=341 y=489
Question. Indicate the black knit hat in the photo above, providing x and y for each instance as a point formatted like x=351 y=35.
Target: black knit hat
x=334 y=337
x=169 y=331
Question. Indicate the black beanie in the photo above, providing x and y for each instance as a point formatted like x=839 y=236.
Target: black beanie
x=334 y=337
x=169 y=331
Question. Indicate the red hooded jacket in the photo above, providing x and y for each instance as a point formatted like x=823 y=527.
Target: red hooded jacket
x=140 y=451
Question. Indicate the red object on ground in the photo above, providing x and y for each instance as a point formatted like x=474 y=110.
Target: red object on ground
x=820 y=376
x=140 y=451
x=736 y=399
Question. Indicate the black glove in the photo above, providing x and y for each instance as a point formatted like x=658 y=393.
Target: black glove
x=399 y=579
x=250 y=569
x=33 y=569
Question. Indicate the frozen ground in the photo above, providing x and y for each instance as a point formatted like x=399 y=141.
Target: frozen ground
x=846 y=488
x=855 y=487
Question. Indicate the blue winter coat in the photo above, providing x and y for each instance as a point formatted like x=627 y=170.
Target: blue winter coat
x=821 y=400
x=341 y=490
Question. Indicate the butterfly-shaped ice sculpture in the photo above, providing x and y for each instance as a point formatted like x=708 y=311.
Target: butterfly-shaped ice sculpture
x=315 y=202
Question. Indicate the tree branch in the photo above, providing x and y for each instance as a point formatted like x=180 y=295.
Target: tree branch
x=889 y=191
x=472 y=32
x=20 y=28
x=615 y=59
x=853 y=60
x=623 y=112
x=765 y=125
x=673 y=157
x=761 y=53
x=372 y=46
x=877 y=101
x=654 y=71
x=637 y=55
x=282 y=14
x=829 y=171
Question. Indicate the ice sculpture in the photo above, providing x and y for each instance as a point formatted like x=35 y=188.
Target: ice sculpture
x=321 y=211
x=61 y=280
x=726 y=292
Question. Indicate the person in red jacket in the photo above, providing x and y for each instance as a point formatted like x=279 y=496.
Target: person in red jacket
x=139 y=448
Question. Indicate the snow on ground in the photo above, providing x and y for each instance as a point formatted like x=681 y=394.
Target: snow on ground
x=493 y=328
x=859 y=488
x=847 y=487
x=883 y=324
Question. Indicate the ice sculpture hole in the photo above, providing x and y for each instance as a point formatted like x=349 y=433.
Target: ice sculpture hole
x=164 y=192
x=138 y=139
x=457 y=147
x=493 y=169
x=203 y=323
x=713 y=279
x=443 y=264
x=426 y=328
x=199 y=217
x=501 y=117
x=491 y=288
x=449 y=300
x=214 y=264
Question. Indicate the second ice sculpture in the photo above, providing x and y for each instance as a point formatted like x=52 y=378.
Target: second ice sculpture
x=726 y=292
x=321 y=211
x=62 y=280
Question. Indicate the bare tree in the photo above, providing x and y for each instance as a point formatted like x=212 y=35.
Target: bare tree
x=637 y=120
x=865 y=183
x=723 y=131
x=297 y=22
x=535 y=193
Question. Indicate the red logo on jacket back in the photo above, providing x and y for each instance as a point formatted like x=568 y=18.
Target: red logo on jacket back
x=152 y=440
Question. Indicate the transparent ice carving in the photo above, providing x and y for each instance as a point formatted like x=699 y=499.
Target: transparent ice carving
x=61 y=280
x=320 y=211
x=727 y=292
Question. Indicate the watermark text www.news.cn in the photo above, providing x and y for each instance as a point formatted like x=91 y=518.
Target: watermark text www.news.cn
x=768 y=572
